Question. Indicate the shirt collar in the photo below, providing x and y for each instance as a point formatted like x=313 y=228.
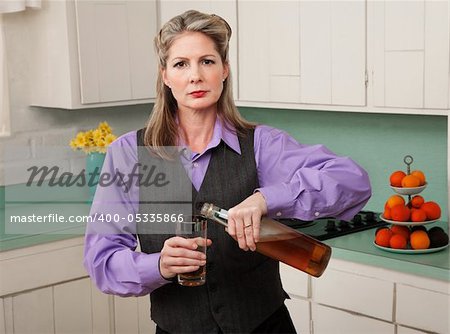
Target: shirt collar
x=222 y=131
x=227 y=133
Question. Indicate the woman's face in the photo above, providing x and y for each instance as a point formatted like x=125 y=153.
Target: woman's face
x=194 y=72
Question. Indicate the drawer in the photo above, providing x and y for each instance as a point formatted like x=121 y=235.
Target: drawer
x=349 y=291
x=328 y=320
x=423 y=309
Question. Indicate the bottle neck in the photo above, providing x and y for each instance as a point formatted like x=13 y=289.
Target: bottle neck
x=215 y=213
x=268 y=226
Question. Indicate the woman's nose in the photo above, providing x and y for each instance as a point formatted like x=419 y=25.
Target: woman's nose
x=195 y=75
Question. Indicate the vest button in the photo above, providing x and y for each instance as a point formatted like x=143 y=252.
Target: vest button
x=212 y=287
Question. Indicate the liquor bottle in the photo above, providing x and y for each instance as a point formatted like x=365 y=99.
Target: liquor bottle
x=282 y=243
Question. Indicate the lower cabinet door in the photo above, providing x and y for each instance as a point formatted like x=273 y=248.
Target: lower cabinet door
x=328 y=320
x=405 y=330
x=300 y=314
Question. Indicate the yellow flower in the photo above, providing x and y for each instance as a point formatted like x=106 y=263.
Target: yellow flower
x=73 y=144
x=110 y=138
x=104 y=126
x=98 y=137
x=94 y=140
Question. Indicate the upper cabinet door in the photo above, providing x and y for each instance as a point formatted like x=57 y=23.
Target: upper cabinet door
x=302 y=52
x=411 y=54
x=115 y=50
x=269 y=51
x=96 y=53
x=333 y=52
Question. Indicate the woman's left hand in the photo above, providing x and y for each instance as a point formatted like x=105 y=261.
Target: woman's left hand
x=244 y=221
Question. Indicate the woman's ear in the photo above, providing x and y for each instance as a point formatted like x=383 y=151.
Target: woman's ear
x=164 y=77
x=226 y=71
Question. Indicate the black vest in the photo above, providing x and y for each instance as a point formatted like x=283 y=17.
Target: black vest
x=242 y=288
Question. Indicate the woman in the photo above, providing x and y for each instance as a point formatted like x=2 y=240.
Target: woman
x=252 y=170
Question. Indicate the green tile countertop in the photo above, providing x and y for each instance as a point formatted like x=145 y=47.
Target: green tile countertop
x=359 y=248
x=40 y=201
x=25 y=235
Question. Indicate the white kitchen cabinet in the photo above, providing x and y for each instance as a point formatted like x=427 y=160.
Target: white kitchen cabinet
x=137 y=310
x=299 y=309
x=2 y=317
x=353 y=292
x=127 y=324
x=413 y=308
x=223 y=8
x=332 y=52
x=269 y=51
x=33 y=312
x=410 y=54
x=74 y=316
x=101 y=311
x=146 y=325
x=406 y=330
x=296 y=284
x=310 y=52
x=92 y=53
x=328 y=320
x=294 y=281
x=356 y=298
x=62 y=299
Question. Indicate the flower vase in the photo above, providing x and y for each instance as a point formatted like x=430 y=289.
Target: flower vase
x=94 y=163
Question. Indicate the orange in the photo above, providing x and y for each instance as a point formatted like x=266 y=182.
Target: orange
x=383 y=236
x=432 y=209
x=418 y=215
x=417 y=201
x=420 y=175
x=398 y=241
x=410 y=181
x=402 y=230
x=419 y=240
x=387 y=213
x=400 y=213
x=395 y=200
x=396 y=178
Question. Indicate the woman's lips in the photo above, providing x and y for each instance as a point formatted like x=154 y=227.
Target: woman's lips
x=198 y=93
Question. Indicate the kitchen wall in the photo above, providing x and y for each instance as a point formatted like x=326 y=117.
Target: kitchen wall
x=378 y=142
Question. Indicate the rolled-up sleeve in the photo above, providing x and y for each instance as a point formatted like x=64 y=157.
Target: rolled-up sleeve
x=307 y=181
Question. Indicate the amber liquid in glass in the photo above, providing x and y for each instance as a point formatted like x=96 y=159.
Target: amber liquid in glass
x=194 y=278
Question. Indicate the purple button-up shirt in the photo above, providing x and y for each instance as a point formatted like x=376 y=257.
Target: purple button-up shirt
x=296 y=180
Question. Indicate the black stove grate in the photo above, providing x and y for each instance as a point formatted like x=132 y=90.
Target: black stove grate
x=327 y=228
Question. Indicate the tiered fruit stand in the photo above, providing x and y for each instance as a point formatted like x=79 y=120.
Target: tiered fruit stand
x=409 y=192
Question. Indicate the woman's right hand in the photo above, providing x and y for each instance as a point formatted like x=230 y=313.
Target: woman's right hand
x=179 y=255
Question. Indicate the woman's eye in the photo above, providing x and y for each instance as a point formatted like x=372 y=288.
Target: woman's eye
x=180 y=64
x=208 y=62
